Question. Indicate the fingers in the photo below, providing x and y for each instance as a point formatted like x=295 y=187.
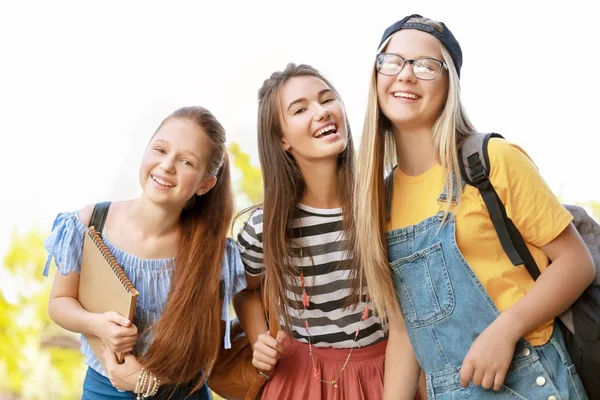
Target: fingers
x=477 y=377
x=121 y=331
x=266 y=350
x=499 y=380
x=117 y=318
x=281 y=336
x=122 y=348
x=262 y=365
x=487 y=382
x=269 y=341
x=121 y=344
x=466 y=373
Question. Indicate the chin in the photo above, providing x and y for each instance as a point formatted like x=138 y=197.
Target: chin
x=335 y=152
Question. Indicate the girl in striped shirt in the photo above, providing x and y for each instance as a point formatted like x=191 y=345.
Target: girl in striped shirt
x=299 y=244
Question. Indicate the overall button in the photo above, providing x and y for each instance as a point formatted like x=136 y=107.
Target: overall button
x=552 y=398
x=540 y=381
x=525 y=352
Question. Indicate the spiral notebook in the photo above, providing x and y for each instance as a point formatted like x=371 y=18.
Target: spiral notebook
x=103 y=286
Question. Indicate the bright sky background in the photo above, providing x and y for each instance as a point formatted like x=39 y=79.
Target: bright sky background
x=84 y=84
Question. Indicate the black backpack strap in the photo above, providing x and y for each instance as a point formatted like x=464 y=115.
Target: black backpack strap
x=388 y=185
x=475 y=166
x=99 y=216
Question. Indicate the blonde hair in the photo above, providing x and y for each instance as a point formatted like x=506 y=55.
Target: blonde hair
x=376 y=158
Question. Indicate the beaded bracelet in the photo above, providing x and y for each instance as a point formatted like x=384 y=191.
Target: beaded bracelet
x=142 y=384
x=138 y=383
x=147 y=385
x=152 y=387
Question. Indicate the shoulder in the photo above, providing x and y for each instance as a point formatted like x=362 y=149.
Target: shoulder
x=256 y=217
x=503 y=152
x=85 y=214
x=254 y=222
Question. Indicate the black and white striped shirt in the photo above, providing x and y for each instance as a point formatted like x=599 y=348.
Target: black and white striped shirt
x=327 y=279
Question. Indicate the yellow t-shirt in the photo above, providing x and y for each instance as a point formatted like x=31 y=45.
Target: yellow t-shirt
x=529 y=202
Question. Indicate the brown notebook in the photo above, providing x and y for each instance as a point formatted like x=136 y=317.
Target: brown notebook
x=103 y=286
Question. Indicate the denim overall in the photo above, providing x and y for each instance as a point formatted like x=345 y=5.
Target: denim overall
x=445 y=308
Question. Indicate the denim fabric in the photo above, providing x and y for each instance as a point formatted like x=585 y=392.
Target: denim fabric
x=445 y=308
x=98 y=387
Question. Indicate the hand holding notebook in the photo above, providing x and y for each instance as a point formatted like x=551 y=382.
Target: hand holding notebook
x=117 y=333
x=104 y=287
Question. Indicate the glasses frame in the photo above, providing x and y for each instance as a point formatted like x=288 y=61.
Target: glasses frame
x=412 y=63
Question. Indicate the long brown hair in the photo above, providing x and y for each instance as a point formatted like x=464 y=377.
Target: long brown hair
x=187 y=336
x=285 y=186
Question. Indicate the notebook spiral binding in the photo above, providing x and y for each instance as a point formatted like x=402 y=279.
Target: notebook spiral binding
x=95 y=236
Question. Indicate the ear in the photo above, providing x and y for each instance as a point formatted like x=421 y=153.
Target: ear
x=285 y=146
x=207 y=184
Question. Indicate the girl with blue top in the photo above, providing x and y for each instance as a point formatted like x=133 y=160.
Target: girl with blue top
x=171 y=242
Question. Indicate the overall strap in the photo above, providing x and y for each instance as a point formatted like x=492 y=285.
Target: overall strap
x=99 y=216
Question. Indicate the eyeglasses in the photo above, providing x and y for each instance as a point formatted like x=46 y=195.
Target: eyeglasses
x=425 y=68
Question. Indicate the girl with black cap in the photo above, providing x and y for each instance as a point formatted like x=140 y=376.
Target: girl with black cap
x=478 y=326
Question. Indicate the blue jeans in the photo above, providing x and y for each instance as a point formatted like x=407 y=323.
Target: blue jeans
x=98 y=387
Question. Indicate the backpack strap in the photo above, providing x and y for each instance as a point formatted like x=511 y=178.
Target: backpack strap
x=475 y=166
x=99 y=216
x=388 y=186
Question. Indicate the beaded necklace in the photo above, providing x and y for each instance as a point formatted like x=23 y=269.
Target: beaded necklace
x=305 y=304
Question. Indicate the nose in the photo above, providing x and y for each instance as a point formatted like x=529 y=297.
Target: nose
x=406 y=73
x=167 y=164
x=323 y=113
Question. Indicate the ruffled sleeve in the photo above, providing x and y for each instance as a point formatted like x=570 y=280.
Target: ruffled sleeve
x=65 y=243
x=233 y=278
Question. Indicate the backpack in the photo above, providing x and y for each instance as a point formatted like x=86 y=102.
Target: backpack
x=580 y=324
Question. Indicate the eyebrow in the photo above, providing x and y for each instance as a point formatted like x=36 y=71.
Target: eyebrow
x=321 y=93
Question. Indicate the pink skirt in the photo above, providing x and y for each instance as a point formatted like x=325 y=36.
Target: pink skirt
x=293 y=378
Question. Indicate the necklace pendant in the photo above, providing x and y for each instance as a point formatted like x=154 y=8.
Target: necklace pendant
x=316 y=373
x=334 y=383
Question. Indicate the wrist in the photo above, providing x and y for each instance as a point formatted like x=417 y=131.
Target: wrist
x=94 y=323
x=512 y=325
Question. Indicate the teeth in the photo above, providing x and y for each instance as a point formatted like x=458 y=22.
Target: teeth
x=405 y=95
x=325 y=130
x=161 y=182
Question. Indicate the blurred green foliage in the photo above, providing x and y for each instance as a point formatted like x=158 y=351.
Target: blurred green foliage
x=30 y=368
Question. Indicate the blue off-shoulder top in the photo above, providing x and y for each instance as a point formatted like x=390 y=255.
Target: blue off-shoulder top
x=151 y=277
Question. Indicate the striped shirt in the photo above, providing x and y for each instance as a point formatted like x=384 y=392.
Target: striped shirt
x=320 y=254
x=152 y=279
